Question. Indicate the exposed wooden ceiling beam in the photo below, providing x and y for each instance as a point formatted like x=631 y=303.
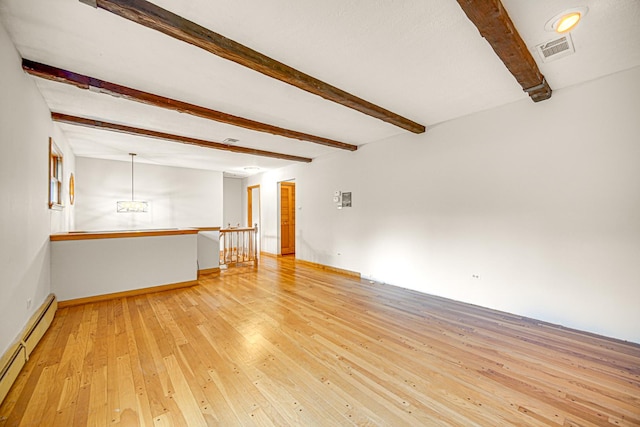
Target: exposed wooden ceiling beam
x=97 y=124
x=152 y=16
x=494 y=24
x=85 y=82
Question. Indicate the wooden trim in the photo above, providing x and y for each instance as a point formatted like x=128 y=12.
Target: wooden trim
x=130 y=130
x=290 y=256
x=269 y=255
x=249 y=207
x=329 y=268
x=164 y=21
x=229 y=230
x=250 y=188
x=123 y=294
x=494 y=24
x=85 y=82
x=81 y=235
x=207 y=228
x=207 y=271
x=276 y=256
x=314 y=265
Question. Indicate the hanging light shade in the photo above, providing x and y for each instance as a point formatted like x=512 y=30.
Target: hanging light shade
x=132 y=205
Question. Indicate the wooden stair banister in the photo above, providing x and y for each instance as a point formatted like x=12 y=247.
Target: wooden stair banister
x=238 y=246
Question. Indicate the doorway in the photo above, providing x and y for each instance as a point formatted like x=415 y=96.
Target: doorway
x=253 y=205
x=253 y=210
x=287 y=218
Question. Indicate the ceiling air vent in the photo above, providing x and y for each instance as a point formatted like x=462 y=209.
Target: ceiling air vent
x=556 y=49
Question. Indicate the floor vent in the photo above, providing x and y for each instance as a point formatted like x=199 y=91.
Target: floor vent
x=556 y=49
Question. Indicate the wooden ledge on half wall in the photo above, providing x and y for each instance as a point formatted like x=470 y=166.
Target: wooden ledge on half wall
x=101 y=265
x=118 y=234
x=207 y=228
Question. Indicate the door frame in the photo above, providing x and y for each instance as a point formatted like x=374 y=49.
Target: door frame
x=250 y=221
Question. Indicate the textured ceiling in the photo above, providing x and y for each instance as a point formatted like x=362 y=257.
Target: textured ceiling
x=422 y=59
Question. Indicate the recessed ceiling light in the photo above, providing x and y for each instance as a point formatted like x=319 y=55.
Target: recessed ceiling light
x=566 y=20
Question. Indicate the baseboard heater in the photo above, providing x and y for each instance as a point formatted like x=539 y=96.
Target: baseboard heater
x=17 y=355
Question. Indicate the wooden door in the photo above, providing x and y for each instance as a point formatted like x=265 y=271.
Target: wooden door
x=287 y=218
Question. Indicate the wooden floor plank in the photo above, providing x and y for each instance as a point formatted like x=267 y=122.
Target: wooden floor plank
x=291 y=344
x=139 y=389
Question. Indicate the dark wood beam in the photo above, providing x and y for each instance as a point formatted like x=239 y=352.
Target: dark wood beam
x=494 y=24
x=85 y=82
x=152 y=16
x=97 y=124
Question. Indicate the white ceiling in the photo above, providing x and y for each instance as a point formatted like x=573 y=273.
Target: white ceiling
x=422 y=59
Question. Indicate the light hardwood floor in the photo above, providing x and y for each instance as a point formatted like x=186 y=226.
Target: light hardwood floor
x=289 y=344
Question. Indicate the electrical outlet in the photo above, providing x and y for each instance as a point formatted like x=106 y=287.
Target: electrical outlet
x=475 y=276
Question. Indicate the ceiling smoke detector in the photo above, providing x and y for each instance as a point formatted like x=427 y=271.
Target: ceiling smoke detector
x=556 y=49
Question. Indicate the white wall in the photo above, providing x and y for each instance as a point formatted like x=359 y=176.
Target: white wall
x=86 y=268
x=25 y=218
x=208 y=250
x=233 y=211
x=178 y=197
x=541 y=201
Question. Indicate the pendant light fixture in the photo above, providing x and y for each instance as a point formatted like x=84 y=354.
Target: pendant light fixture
x=132 y=205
